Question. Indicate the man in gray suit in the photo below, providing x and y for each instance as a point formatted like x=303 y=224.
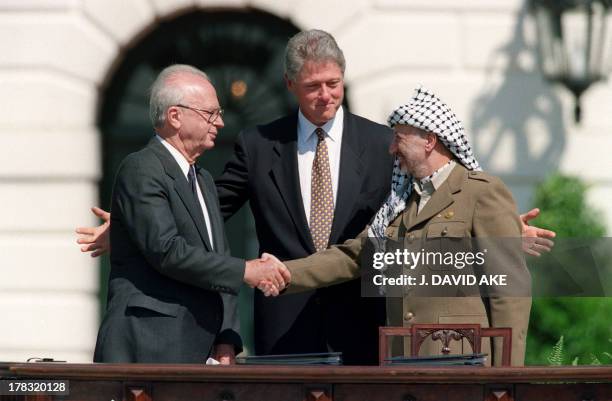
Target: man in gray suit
x=170 y=263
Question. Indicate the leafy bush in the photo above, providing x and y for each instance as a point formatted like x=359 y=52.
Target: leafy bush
x=562 y=201
x=569 y=330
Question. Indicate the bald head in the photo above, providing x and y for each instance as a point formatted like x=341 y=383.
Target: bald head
x=170 y=88
x=185 y=110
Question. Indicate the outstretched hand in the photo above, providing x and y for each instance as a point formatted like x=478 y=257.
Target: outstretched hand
x=95 y=239
x=536 y=240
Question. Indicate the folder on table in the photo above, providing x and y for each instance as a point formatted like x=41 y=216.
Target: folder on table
x=324 y=358
x=439 y=360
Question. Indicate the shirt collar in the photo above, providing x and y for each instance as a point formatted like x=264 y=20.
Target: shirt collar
x=435 y=180
x=333 y=127
x=180 y=159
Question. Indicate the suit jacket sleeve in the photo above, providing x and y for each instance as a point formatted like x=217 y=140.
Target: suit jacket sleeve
x=142 y=197
x=232 y=185
x=230 y=330
x=495 y=218
x=334 y=265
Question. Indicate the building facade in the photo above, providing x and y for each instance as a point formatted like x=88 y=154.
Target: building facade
x=74 y=75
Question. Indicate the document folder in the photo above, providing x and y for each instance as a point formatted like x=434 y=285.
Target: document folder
x=439 y=360
x=325 y=358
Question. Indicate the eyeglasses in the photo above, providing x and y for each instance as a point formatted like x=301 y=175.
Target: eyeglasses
x=214 y=114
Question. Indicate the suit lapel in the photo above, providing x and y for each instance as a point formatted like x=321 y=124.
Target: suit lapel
x=181 y=186
x=286 y=177
x=442 y=197
x=349 y=179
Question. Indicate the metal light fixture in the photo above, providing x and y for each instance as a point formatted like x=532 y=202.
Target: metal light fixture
x=575 y=42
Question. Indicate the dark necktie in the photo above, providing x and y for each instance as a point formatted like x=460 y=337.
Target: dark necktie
x=191 y=177
x=321 y=195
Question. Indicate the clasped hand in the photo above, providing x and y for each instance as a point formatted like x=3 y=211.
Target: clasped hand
x=268 y=274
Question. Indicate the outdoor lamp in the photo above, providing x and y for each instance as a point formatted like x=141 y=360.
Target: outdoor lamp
x=574 y=42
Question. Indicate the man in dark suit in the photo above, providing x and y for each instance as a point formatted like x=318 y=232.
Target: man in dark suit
x=170 y=262
x=273 y=166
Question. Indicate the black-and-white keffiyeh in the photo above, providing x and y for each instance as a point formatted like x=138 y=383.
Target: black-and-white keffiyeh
x=427 y=112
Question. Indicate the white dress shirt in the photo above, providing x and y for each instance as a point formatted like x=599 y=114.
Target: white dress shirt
x=184 y=165
x=307 y=147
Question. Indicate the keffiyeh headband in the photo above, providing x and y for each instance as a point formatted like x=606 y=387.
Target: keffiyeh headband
x=427 y=112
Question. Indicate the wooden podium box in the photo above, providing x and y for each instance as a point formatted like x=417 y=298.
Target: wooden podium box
x=140 y=382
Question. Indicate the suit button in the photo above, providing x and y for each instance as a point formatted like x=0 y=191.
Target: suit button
x=408 y=316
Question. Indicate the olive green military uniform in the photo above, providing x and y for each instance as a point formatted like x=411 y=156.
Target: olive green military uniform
x=467 y=204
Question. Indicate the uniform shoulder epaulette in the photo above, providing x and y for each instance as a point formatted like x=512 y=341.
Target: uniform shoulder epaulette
x=480 y=176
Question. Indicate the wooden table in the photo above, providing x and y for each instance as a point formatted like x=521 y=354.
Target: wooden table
x=139 y=382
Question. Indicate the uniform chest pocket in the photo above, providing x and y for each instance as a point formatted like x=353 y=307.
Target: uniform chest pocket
x=447 y=229
x=443 y=241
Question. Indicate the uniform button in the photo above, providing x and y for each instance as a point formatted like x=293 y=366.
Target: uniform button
x=411 y=238
x=408 y=316
x=445 y=231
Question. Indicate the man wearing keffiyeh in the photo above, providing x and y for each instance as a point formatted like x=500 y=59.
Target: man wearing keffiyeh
x=438 y=190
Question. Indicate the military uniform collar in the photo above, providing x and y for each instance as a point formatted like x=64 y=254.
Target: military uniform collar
x=435 y=180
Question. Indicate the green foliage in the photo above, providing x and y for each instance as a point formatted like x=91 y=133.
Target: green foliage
x=595 y=360
x=584 y=324
x=607 y=354
x=562 y=201
x=556 y=355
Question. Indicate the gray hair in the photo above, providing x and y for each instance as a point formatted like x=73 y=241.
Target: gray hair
x=165 y=93
x=312 y=45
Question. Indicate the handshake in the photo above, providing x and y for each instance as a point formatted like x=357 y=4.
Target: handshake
x=268 y=274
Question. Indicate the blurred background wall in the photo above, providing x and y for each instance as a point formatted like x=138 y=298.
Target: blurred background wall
x=74 y=75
